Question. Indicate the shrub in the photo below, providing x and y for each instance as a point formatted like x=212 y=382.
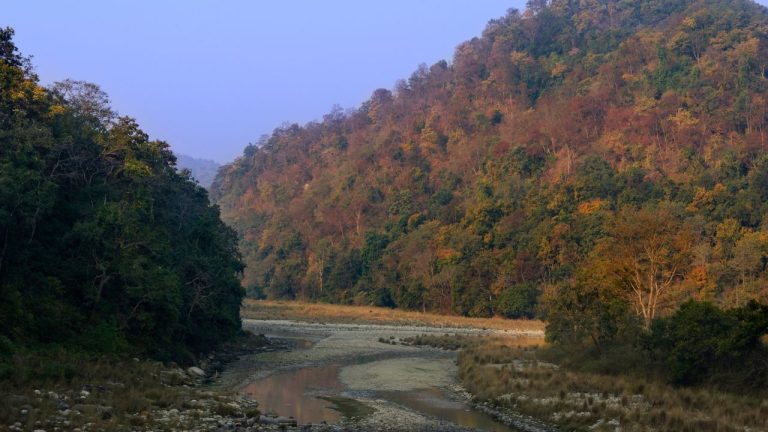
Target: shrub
x=517 y=301
x=701 y=342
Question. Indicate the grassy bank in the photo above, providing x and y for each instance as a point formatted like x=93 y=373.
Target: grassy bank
x=513 y=374
x=330 y=313
x=58 y=389
x=523 y=380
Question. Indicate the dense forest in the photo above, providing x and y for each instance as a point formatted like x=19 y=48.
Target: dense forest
x=104 y=246
x=579 y=150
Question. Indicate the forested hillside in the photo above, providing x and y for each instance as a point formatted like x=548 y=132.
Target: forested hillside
x=580 y=149
x=104 y=247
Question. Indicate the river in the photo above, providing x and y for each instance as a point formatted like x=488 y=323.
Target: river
x=344 y=374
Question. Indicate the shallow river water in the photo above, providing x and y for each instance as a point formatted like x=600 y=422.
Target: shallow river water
x=335 y=373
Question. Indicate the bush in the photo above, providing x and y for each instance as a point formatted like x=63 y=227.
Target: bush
x=584 y=317
x=104 y=338
x=701 y=342
x=382 y=298
x=517 y=301
x=6 y=346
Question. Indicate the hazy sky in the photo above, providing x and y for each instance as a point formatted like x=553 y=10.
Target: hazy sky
x=211 y=76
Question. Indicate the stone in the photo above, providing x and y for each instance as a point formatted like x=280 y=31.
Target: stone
x=267 y=420
x=195 y=371
x=95 y=410
x=287 y=421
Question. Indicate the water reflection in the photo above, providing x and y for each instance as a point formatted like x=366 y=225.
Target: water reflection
x=434 y=402
x=295 y=394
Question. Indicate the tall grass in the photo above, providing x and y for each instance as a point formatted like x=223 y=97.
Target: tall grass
x=522 y=379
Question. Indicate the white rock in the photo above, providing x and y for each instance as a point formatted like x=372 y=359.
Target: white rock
x=196 y=372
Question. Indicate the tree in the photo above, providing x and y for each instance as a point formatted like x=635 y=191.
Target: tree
x=700 y=340
x=588 y=313
x=86 y=100
x=646 y=253
x=104 y=246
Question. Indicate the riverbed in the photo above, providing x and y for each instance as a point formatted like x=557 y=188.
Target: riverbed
x=357 y=376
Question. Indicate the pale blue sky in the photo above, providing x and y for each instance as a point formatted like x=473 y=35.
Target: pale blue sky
x=211 y=76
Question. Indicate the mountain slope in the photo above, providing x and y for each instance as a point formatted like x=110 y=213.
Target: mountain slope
x=491 y=183
x=203 y=170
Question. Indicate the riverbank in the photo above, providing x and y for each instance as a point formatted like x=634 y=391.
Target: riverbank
x=73 y=392
x=370 y=315
x=399 y=387
x=509 y=381
x=57 y=390
x=66 y=391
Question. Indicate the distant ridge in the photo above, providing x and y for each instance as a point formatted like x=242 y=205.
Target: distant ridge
x=203 y=170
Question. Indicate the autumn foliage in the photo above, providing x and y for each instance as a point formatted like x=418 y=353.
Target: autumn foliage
x=617 y=147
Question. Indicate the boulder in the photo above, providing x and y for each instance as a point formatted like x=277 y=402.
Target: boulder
x=195 y=372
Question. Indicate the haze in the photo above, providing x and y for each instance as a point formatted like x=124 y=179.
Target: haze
x=209 y=78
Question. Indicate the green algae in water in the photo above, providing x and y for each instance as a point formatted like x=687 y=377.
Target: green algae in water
x=349 y=408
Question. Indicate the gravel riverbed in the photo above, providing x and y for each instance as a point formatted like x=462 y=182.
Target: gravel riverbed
x=370 y=361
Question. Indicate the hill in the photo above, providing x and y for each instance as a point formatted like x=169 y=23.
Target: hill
x=521 y=171
x=104 y=246
x=203 y=170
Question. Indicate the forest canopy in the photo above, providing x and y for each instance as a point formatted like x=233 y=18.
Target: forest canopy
x=506 y=181
x=104 y=246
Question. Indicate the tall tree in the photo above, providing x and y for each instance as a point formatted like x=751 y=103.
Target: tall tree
x=646 y=253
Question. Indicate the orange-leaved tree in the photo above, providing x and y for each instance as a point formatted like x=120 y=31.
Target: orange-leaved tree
x=646 y=253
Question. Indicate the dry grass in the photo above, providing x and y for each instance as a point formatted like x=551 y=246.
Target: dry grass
x=454 y=342
x=329 y=313
x=116 y=390
x=517 y=378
